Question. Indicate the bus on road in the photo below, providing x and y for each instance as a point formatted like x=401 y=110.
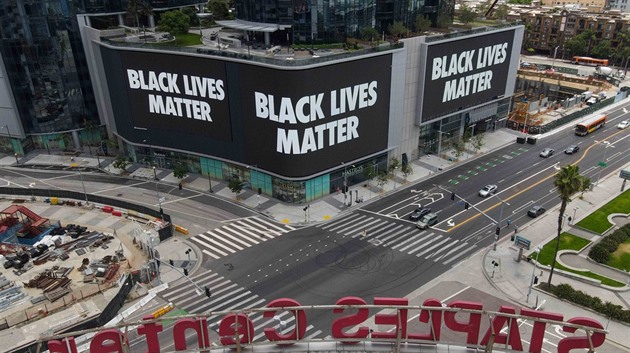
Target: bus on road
x=585 y=60
x=586 y=127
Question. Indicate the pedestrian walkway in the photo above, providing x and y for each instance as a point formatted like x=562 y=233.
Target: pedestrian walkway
x=238 y=235
x=227 y=295
x=399 y=235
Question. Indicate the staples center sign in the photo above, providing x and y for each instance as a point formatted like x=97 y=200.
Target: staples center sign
x=468 y=320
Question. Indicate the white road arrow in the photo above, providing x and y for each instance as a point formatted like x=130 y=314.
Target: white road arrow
x=393 y=215
x=31 y=185
x=556 y=166
x=450 y=223
x=416 y=191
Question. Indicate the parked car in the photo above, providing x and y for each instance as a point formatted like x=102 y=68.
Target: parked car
x=419 y=213
x=624 y=124
x=488 y=190
x=526 y=65
x=536 y=211
x=572 y=149
x=427 y=220
x=547 y=152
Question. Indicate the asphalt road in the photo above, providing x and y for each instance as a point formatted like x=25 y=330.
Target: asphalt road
x=322 y=263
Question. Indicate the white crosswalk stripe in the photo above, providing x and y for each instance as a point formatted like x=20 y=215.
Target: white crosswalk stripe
x=238 y=235
x=227 y=295
x=399 y=236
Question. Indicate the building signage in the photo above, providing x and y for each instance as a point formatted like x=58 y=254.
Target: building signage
x=317 y=118
x=238 y=329
x=624 y=174
x=466 y=72
x=294 y=122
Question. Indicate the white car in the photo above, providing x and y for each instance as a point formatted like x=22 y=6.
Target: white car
x=487 y=190
x=624 y=124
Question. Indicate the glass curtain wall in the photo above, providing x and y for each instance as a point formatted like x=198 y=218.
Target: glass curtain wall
x=46 y=66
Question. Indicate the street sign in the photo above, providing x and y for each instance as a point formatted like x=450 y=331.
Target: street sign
x=625 y=174
x=602 y=164
x=522 y=242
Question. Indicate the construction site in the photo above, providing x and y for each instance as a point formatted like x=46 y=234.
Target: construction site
x=48 y=264
x=545 y=94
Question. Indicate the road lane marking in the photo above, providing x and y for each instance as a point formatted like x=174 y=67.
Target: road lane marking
x=586 y=151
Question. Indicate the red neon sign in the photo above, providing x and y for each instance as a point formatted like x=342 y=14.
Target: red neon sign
x=239 y=327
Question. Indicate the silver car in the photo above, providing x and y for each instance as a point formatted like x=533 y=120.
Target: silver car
x=488 y=190
x=547 y=152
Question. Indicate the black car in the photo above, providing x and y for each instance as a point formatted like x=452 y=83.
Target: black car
x=572 y=149
x=419 y=212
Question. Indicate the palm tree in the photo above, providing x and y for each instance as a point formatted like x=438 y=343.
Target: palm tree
x=567 y=181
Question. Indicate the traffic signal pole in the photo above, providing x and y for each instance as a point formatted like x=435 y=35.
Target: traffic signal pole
x=495 y=221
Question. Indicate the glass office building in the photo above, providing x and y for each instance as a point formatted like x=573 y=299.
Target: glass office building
x=334 y=20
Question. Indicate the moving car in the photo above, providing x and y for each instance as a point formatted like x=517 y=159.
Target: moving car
x=488 y=190
x=536 y=211
x=427 y=220
x=572 y=149
x=624 y=124
x=419 y=213
x=547 y=152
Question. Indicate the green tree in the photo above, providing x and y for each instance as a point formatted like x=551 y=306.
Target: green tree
x=397 y=29
x=220 y=9
x=236 y=186
x=406 y=170
x=477 y=142
x=575 y=45
x=567 y=181
x=370 y=172
x=444 y=20
x=180 y=171
x=422 y=23
x=191 y=12
x=382 y=179
x=460 y=148
x=121 y=163
x=369 y=33
x=394 y=163
x=602 y=49
x=466 y=14
x=137 y=8
x=501 y=11
x=174 y=22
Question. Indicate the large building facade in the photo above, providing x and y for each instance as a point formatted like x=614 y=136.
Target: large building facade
x=297 y=130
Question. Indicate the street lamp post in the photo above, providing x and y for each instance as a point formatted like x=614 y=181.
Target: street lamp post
x=345 y=184
x=9 y=133
x=255 y=168
x=553 y=62
x=157 y=192
x=602 y=164
x=440 y=132
x=147 y=141
x=574 y=210
x=531 y=282
x=496 y=236
x=81 y=176
x=16 y=159
x=625 y=70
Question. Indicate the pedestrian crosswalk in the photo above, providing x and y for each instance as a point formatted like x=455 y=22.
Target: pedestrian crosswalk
x=227 y=296
x=238 y=235
x=400 y=236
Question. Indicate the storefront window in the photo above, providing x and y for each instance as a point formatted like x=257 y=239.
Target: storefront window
x=289 y=191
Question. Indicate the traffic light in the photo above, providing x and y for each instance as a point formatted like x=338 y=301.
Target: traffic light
x=170 y=261
x=452 y=196
x=180 y=186
x=498 y=231
x=536 y=280
x=208 y=293
x=466 y=205
x=186 y=271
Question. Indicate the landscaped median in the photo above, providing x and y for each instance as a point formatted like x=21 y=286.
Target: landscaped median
x=598 y=220
x=571 y=242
